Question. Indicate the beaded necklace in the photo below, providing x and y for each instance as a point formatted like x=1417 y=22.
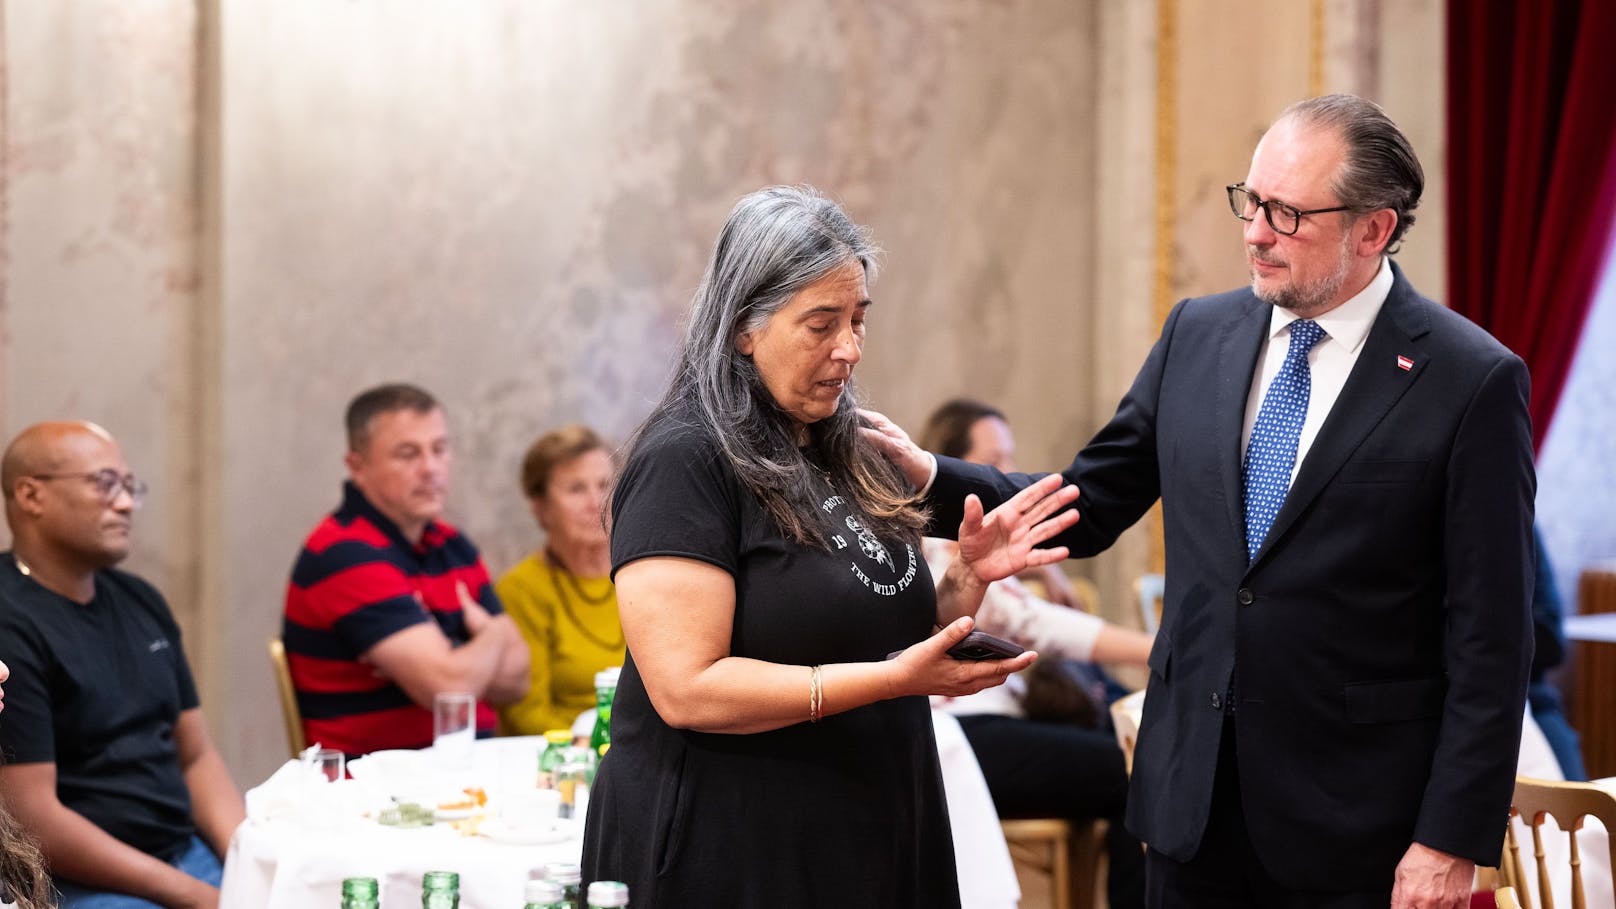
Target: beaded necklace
x=558 y=569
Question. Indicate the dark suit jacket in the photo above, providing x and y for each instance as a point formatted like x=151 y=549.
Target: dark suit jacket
x=1378 y=644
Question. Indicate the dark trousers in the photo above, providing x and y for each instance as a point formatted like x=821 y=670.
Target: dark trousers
x=1058 y=770
x=1225 y=873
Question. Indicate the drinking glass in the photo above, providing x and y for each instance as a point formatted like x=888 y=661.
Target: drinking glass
x=329 y=764
x=323 y=772
x=454 y=728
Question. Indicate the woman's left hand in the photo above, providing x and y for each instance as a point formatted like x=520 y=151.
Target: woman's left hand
x=999 y=544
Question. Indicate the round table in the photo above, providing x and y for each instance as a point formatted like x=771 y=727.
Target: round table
x=286 y=862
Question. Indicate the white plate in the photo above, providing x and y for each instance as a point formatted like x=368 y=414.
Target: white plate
x=552 y=831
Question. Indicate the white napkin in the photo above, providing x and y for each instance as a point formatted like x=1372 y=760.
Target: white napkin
x=280 y=795
x=401 y=774
x=298 y=790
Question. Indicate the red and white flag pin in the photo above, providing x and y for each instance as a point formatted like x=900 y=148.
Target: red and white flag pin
x=1404 y=363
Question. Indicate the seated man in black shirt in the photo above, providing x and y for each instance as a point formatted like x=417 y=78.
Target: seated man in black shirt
x=106 y=758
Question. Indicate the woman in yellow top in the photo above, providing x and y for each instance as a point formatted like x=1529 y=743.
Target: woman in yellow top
x=562 y=597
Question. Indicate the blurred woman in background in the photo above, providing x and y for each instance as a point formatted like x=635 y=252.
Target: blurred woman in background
x=562 y=597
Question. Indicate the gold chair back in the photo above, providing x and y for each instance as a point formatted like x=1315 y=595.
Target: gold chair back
x=1505 y=898
x=283 y=685
x=1569 y=804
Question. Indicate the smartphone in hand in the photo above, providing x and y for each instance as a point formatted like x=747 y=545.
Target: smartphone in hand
x=979 y=645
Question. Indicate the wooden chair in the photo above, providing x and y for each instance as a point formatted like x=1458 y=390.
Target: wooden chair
x=1569 y=804
x=1125 y=714
x=1070 y=856
x=283 y=684
x=1504 y=897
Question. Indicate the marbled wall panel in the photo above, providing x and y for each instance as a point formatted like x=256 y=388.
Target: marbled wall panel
x=100 y=249
x=510 y=204
x=1122 y=324
x=1232 y=81
x=1412 y=87
x=1234 y=78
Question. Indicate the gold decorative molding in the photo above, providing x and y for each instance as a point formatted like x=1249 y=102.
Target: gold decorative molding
x=1315 y=50
x=1166 y=204
x=1166 y=154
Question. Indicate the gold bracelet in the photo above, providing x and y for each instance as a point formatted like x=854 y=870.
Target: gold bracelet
x=816 y=695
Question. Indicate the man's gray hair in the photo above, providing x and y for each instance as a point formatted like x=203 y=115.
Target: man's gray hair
x=776 y=242
x=1381 y=169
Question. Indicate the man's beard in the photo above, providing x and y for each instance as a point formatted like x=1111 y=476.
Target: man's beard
x=1310 y=299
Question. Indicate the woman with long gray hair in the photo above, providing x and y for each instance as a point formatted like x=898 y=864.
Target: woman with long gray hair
x=765 y=752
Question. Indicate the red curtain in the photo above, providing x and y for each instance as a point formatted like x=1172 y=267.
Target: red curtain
x=1531 y=174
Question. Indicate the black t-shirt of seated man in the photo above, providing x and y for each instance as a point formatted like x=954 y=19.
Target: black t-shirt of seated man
x=97 y=688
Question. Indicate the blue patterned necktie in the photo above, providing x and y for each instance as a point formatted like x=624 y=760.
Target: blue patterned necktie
x=1271 y=452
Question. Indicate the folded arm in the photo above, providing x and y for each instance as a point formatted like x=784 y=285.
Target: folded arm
x=421 y=659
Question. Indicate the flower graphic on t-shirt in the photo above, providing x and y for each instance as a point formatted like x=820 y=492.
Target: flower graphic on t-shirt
x=869 y=545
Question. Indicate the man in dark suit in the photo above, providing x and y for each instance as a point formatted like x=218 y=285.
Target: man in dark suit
x=1345 y=468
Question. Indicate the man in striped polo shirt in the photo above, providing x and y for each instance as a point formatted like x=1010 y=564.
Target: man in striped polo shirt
x=389 y=606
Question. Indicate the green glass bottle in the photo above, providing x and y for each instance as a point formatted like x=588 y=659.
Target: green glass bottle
x=605 y=692
x=608 y=895
x=542 y=894
x=440 y=890
x=553 y=756
x=360 y=893
x=571 y=878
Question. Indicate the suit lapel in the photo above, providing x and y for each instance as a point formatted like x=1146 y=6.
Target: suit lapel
x=1376 y=382
x=1237 y=358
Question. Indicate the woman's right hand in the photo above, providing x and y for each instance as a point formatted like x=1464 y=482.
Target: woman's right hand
x=926 y=668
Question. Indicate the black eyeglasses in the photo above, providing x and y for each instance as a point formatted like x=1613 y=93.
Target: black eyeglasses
x=108 y=483
x=1284 y=219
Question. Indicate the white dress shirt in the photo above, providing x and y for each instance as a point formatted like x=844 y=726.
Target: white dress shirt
x=1329 y=362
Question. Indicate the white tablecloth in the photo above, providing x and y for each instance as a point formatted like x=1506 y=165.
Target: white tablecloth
x=987 y=878
x=285 y=863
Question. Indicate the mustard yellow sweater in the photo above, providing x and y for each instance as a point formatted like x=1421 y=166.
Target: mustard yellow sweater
x=572 y=631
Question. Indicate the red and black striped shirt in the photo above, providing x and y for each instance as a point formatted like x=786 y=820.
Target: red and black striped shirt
x=356 y=582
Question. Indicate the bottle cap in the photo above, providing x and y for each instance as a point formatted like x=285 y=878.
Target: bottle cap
x=608 y=893
x=564 y=873
x=542 y=891
x=607 y=678
x=558 y=736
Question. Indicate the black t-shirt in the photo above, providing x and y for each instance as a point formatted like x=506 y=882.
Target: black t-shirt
x=96 y=688
x=846 y=812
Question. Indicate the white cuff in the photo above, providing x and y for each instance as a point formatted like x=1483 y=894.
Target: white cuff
x=932 y=477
